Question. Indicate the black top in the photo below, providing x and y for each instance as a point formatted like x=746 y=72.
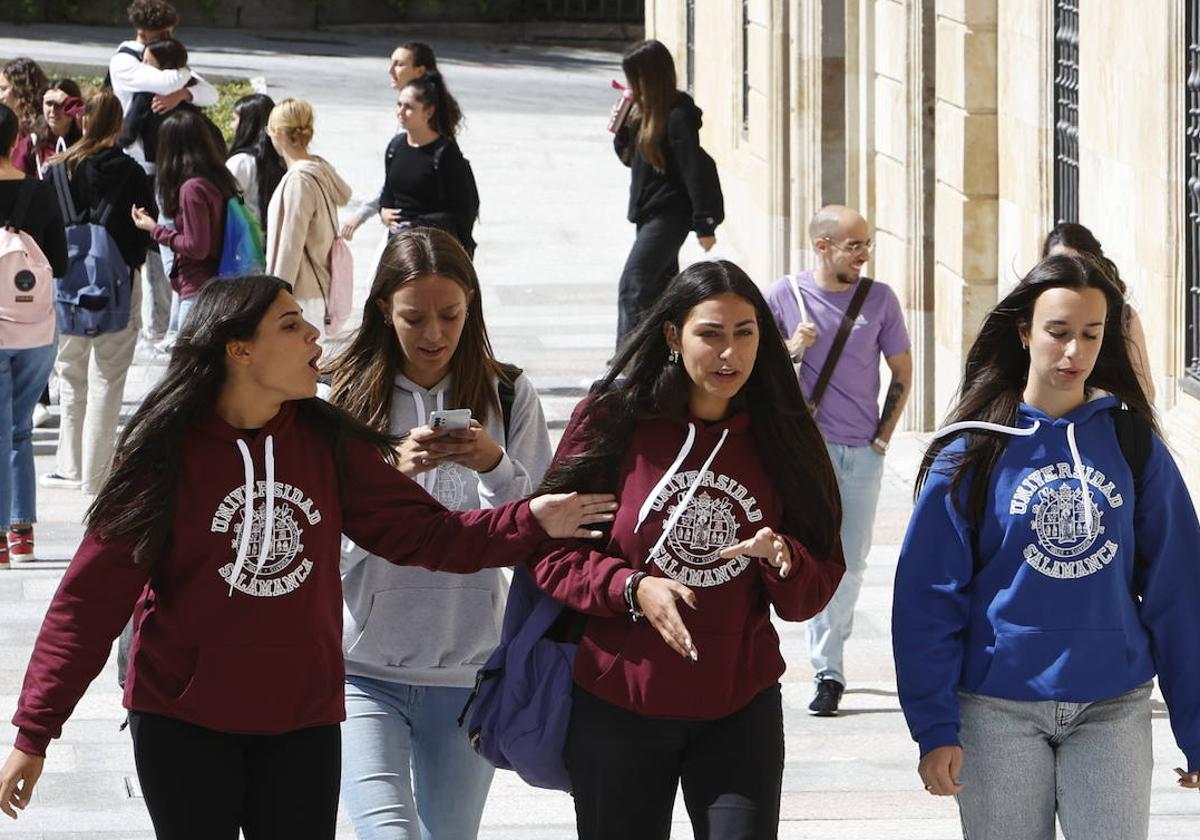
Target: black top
x=42 y=220
x=112 y=174
x=433 y=185
x=142 y=122
x=690 y=186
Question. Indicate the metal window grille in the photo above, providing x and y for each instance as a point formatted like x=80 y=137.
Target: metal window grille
x=1192 y=193
x=745 y=68
x=1066 y=110
x=691 y=46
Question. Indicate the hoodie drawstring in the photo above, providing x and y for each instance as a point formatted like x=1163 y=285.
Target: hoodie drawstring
x=687 y=498
x=667 y=476
x=987 y=427
x=268 y=529
x=427 y=479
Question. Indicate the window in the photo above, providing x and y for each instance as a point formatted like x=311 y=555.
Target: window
x=691 y=47
x=1066 y=110
x=745 y=68
x=1192 y=195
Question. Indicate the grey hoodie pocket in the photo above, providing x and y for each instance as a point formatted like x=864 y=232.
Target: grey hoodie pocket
x=427 y=627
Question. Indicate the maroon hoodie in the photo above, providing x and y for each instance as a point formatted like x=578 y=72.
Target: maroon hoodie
x=264 y=655
x=627 y=663
x=197 y=237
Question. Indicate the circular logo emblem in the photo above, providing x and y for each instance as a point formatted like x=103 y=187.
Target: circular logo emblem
x=25 y=281
x=1060 y=522
x=285 y=540
x=707 y=526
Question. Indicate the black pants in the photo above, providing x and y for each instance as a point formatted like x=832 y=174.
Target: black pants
x=624 y=770
x=205 y=785
x=652 y=262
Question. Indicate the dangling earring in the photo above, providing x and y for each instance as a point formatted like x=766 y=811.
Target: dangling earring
x=673 y=357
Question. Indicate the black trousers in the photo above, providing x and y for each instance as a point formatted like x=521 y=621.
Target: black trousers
x=652 y=263
x=625 y=767
x=205 y=785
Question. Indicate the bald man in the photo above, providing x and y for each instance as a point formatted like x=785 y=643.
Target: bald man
x=810 y=308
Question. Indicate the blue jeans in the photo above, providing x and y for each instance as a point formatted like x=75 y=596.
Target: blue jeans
x=407 y=768
x=859 y=472
x=23 y=376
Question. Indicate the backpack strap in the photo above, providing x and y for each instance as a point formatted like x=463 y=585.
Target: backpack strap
x=138 y=54
x=1136 y=439
x=839 y=343
x=508 y=395
x=66 y=203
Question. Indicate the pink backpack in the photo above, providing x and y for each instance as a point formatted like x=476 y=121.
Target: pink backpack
x=339 y=297
x=27 y=316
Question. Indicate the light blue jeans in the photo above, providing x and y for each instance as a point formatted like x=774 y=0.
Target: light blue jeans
x=1023 y=762
x=23 y=375
x=407 y=768
x=859 y=472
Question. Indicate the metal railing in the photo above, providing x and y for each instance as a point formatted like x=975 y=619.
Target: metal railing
x=1066 y=110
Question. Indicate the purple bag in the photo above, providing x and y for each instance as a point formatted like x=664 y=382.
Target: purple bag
x=521 y=705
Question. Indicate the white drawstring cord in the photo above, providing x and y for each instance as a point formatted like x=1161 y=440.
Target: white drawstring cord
x=687 y=499
x=247 y=514
x=667 y=476
x=427 y=479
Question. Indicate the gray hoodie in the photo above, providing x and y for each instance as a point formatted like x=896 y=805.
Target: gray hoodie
x=409 y=625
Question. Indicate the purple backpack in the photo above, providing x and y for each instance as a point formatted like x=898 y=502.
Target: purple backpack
x=521 y=705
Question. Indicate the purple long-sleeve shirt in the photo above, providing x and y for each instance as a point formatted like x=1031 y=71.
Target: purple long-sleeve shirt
x=198 y=235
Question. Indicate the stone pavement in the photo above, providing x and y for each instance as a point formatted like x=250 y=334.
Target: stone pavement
x=552 y=242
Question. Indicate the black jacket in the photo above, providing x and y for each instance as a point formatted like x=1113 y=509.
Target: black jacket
x=690 y=186
x=113 y=174
x=41 y=220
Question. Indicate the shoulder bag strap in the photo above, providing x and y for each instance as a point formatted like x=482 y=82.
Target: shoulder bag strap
x=66 y=204
x=839 y=343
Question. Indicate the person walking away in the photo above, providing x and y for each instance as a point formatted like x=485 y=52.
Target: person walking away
x=407 y=62
x=428 y=182
x=728 y=504
x=92 y=370
x=1048 y=573
x=252 y=159
x=838 y=324
x=673 y=187
x=193 y=187
x=220 y=527
x=416 y=638
x=27 y=206
x=302 y=215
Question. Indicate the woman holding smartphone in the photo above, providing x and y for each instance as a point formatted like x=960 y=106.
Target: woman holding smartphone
x=415 y=638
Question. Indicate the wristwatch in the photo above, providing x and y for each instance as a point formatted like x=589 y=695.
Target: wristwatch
x=881 y=443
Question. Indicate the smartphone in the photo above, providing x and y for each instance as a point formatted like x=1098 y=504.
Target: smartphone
x=452 y=420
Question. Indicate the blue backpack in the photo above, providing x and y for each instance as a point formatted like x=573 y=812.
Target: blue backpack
x=521 y=705
x=94 y=295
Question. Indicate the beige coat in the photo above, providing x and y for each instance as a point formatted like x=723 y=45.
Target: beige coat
x=302 y=224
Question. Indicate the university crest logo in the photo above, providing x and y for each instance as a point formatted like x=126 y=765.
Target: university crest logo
x=285 y=568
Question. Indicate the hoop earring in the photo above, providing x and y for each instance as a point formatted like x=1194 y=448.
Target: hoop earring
x=673 y=357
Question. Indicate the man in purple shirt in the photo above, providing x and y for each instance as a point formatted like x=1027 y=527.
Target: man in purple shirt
x=809 y=309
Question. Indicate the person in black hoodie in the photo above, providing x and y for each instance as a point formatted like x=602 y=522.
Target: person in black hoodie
x=98 y=171
x=674 y=187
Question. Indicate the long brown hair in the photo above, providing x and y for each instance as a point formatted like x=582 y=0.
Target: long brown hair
x=363 y=373
x=650 y=71
x=104 y=120
x=997 y=369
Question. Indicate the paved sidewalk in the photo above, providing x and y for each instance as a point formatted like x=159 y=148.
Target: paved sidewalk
x=552 y=242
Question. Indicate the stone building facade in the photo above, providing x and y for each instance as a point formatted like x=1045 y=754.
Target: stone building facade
x=963 y=129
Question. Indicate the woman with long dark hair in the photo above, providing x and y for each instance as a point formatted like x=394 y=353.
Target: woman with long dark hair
x=427 y=181
x=105 y=184
x=729 y=504
x=1049 y=572
x=60 y=125
x=414 y=638
x=193 y=187
x=674 y=187
x=219 y=528
x=1070 y=238
x=253 y=160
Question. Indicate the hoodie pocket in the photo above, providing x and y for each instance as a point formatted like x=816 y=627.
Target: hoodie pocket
x=422 y=627
x=261 y=688
x=1047 y=663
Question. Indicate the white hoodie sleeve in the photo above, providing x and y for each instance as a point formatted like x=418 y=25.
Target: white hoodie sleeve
x=204 y=95
x=129 y=76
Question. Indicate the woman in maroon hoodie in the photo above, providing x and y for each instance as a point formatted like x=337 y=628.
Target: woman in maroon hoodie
x=219 y=528
x=193 y=186
x=729 y=504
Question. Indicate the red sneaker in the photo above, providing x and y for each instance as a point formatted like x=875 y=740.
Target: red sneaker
x=4 y=564
x=20 y=546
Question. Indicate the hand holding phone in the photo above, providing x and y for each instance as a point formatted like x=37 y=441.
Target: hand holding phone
x=450 y=420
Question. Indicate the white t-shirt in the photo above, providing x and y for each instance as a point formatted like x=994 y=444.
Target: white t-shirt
x=245 y=170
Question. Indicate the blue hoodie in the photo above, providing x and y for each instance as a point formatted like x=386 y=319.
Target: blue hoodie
x=1056 y=608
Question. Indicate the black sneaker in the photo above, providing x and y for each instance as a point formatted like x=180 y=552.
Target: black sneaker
x=829 y=694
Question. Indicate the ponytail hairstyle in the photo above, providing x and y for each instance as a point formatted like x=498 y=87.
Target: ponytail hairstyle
x=294 y=119
x=430 y=90
x=251 y=138
x=104 y=121
x=650 y=71
x=997 y=370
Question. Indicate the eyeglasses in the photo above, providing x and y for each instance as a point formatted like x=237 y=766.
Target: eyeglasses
x=854 y=249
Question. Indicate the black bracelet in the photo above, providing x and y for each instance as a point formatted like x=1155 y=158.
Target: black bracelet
x=631 y=585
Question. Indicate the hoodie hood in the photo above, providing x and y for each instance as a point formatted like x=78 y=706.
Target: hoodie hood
x=689 y=106
x=320 y=170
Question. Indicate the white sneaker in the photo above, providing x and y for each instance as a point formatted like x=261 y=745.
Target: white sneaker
x=54 y=480
x=40 y=414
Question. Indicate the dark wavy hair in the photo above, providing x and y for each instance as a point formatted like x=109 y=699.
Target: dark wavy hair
x=251 y=138
x=422 y=55
x=10 y=127
x=997 y=370
x=431 y=91
x=187 y=148
x=152 y=15
x=138 y=499
x=1081 y=240
x=27 y=80
x=642 y=382
x=363 y=374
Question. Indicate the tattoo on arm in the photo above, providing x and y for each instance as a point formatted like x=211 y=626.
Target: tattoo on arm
x=891 y=403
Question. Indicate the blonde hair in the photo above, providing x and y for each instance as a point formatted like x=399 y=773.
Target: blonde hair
x=292 y=118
